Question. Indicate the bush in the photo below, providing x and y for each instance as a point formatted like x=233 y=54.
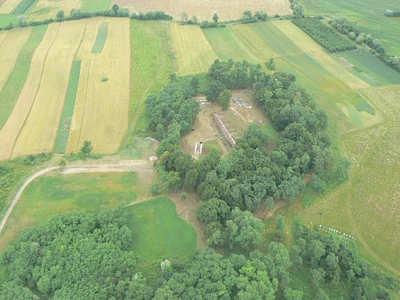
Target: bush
x=155 y=189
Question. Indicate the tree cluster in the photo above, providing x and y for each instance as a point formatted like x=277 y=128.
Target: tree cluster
x=324 y=35
x=390 y=13
x=249 y=18
x=355 y=32
x=334 y=260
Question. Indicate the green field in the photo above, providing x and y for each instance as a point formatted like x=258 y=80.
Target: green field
x=93 y=5
x=101 y=38
x=60 y=143
x=23 y=6
x=151 y=64
x=16 y=81
x=56 y=193
x=7 y=19
x=369 y=68
x=368 y=14
x=159 y=232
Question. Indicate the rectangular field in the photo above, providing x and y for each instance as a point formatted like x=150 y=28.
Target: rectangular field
x=40 y=128
x=192 y=50
x=309 y=46
x=102 y=104
x=204 y=10
x=16 y=120
x=11 y=44
x=15 y=82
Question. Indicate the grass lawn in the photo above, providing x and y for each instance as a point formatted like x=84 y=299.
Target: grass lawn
x=57 y=193
x=159 y=233
x=60 y=143
x=368 y=14
x=10 y=92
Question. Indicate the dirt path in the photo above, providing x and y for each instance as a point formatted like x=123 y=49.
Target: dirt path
x=123 y=166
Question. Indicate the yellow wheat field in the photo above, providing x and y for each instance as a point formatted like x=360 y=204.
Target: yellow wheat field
x=309 y=46
x=40 y=128
x=13 y=126
x=10 y=48
x=101 y=108
x=192 y=50
x=8 y=6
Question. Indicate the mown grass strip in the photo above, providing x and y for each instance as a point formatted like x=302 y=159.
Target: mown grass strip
x=60 y=143
x=101 y=38
x=16 y=81
x=23 y=6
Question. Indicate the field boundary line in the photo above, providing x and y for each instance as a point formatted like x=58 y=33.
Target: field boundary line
x=358 y=234
x=2 y=42
x=37 y=90
x=120 y=167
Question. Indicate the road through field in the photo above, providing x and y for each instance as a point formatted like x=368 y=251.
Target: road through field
x=123 y=166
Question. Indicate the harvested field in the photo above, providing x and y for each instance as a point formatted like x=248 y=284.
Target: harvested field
x=11 y=44
x=192 y=50
x=13 y=126
x=8 y=6
x=204 y=10
x=102 y=106
x=40 y=128
x=309 y=46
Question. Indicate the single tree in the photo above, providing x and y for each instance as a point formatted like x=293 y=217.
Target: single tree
x=60 y=15
x=62 y=165
x=87 y=148
x=215 y=18
x=115 y=9
x=22 y=21
x=225 y=99
x=184 y=17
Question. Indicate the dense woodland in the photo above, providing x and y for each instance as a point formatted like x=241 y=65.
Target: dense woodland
x=91 y=256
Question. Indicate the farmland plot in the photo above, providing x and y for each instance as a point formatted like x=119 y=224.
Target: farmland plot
x=40 y=129
x=102 y=103
x=11 y=44
x=16 y=120
x=204 y=9
x=309 y=46
x=48 y=8
x=193 y=52
x=8 y=6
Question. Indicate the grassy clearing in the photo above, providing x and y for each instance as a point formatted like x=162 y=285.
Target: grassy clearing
x=23 y=6
x=367 y=205
x=192 y=50
x=151 y=64
x=368 y=14
x=204 y=10
x=22 y=107
x=40 y=129
x=159 y=233
x=101 y=38
x=16 y=50
x=102 y=108
x=57 y=193
x=369 y=64
x=60 y=143
x=93 y=5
